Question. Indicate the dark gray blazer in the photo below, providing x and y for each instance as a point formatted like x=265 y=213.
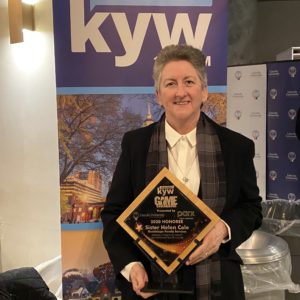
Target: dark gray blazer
x=242 y=211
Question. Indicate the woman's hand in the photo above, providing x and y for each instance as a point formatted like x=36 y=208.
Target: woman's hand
x=210 y=244
x=139 y=278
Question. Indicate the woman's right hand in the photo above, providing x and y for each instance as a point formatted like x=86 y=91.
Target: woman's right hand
x=139 y=278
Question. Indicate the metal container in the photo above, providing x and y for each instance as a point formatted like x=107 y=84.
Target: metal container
x=267 y=267
x=262 y=247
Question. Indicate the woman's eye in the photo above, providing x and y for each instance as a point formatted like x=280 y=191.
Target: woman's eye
x=170 y=83
x=189 y=82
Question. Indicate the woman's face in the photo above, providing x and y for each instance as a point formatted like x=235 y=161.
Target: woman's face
x=181 y=93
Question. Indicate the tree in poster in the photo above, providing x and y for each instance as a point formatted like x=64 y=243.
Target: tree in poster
x=90 y=128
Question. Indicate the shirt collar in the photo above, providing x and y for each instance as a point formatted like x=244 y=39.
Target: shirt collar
x=172 y=136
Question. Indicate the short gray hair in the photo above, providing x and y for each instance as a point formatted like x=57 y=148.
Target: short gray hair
x=179 y=52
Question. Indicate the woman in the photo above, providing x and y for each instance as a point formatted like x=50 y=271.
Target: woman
x=214 y=162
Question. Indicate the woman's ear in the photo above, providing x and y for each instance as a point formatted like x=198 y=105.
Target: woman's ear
x=204 y=93
x=157 y=95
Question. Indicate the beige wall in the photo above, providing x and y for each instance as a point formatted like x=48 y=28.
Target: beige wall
x=29 y=182
x=277 y=28
x=260 y=29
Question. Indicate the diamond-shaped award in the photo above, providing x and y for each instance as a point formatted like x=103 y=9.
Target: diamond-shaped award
x=167 y=221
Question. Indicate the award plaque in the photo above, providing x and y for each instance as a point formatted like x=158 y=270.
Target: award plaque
x=167 y=221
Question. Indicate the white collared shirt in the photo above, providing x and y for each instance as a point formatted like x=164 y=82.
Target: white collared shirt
x=183 y=157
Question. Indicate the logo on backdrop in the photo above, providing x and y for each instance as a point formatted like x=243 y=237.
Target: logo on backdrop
x=292 y=156
x=292 y=71
x=292 y=113
x=273 y=156
x=273 y=114
x=238 y=114
x=238 y=95
x=256 y=74
x=273 y=134
x=291 y=135
x=255 y=134
x=273 y=93
x=293 y=93
x=255 y=114
x=273 y=175
x=291 y=177
x=291 y=196
x=257 y=156
x=255 y=94
x=238 y=75
x=272 y=196
x=274 y=73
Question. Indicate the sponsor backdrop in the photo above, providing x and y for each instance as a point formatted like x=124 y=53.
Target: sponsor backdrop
x=283 y=147
x=246 y=112
x=104 y=55
x=262 y=104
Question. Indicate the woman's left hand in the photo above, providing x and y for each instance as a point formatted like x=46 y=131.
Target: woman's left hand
x=210 y=244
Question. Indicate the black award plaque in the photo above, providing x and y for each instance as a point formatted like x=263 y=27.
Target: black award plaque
x=167 y=221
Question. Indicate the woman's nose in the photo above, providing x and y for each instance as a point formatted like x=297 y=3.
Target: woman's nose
x=181 y=91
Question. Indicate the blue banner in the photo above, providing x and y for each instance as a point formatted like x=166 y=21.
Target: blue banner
x=113 y=45
x=283 y=147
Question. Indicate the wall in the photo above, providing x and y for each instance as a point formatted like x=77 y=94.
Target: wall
x=278 y=28
x=242 y=20
x=259 y=30
x=29 y=184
